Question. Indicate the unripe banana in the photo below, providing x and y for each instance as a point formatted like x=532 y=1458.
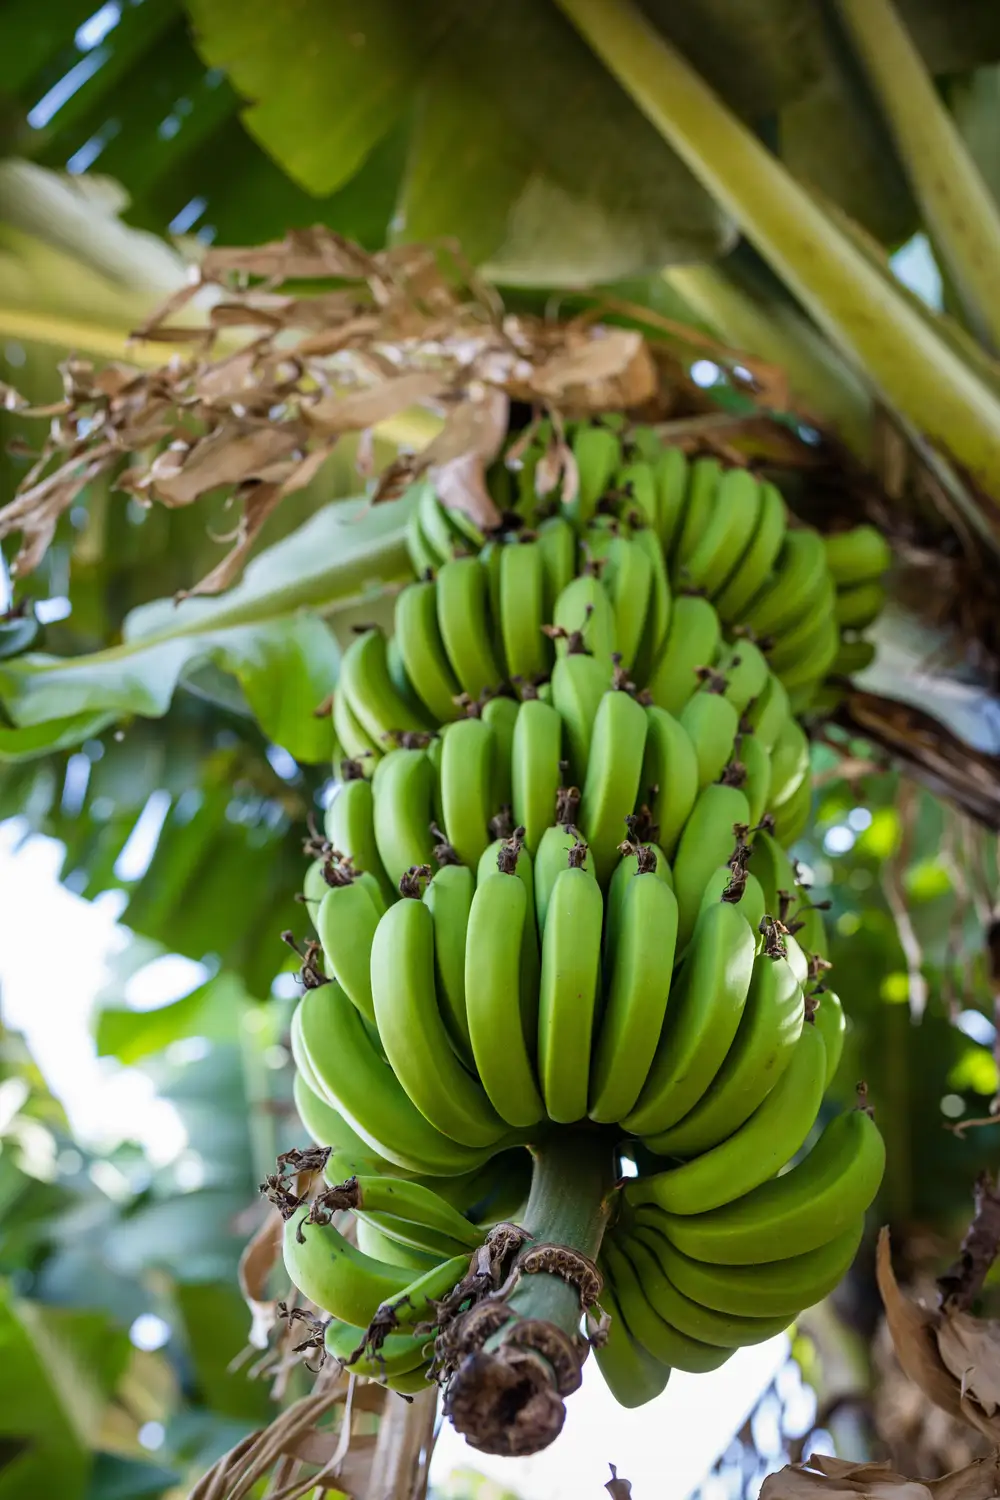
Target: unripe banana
x=746 y=671
x=657 y=622
x=791 y=819
x=712 y=724
x=349 y=822
x=423 y=558
x=620 y=884
x=664 y=1342
x=417 y=1303
x=828 y=1018
x=557 y=543
x=414 y=1202
x=765 y=1142
x=448 y=898
x=492 y=984
x=550 y=861
x=753 y=571
x=630 y=1373
x=669 y=783
x=536 y=775
x=852 y=657
x=413 y=1033
x=637 y=482
x=706 y=1003
x=522 y=610
x=692 y=642
x=464 y=620
x=750 y=902
x=328 y=1128
x=571 y=965
x=500 y=714
x=768 y=1035
x=703 y=484
x=728 y=533
x=357 y=743
x=798 y=579
x=404 y=812
x=437 y=533
x=778 y=1288
x=637 y=996
x=467 y=786
x=346 y=924
x=857 y=556
x=776 y=873
x=579 y=682
x=628 y=580
x=597 y=452
x=422 y=651
x=371 y=693
x=724 y=1330
x=708 y=841
x=768 y=713
x=613 y=780
x=671 y=472
x=335 y=1275
x=859 y=605
x=584 y=608
x=820 y=1198
x=498 y=857
x=789 y=763
x=398 y=1354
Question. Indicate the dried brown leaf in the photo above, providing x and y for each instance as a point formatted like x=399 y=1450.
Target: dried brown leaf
x=823 y=1477
x=970 y=1347
x=610 y=370
x=302 y=254
x=618 y=1487
x=227 y=456
x=360 y=409
x=260 y=1255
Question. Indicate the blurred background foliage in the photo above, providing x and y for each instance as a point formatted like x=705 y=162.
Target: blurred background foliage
x=123 y=1336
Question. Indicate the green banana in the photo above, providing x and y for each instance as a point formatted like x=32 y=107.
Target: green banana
x=467 y=783
x=630 y=1373
x=498 y=857
x=346 y=924
x=664 y=1342
x=745 y=668
x=416 y=1303
x=798 y=579
x=729 y=532
x=724 y=1330
x=500 y=716
x=791 y=817
x=522 y=610
x=796 y=644
x=583 y=608
x=353 y=1078
x=778 y=1288
x=579 y=682
x=349 y=823
x=628 y=579
x=636 y=481
x=829 y=1021
x=597 y=452
x=669 y=776
x=422 y=650
x=755 y=1151
x=712 y=725
x=356 y=741
x=328 y=1128
x=412 y=1201
x=619 y=887
x=820 y=1198
x=614 y=772
x=448 y=898
x=750 y=902
x=857 y=556
x=493 y=977
x=413 y=1033
x=756 y=765
x=703 y=484
x=765 y=1043
x=399 y=1354
x=334 y=1274
x=754 y=568
x=706 y=1004
x=536 y=775
x=464 y=620
x=859 y=605
x=557 y=544
x=671 y=474
x=420 y=1245
x=692 y=642
x=852 y=657
x=789 y=763
x=434 y=525
x=776 y=873
x=422 y=557
x=571 y=965
x=657 y=622
x=637 y=996
x=370 y=691
x=708 y=841
x=403 y=812
x=768 y=713
x=551 y=860
x=491 y=561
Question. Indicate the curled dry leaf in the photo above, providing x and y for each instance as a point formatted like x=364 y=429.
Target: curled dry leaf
x=824 y=1478
x=618 y=1487
x=951 y=1356
x=260 y=1255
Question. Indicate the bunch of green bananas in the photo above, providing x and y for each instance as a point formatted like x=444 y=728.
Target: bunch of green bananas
x=554 y=901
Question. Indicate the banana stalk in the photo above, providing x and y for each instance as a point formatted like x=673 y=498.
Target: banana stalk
x=508 y=1398
x=914 y=371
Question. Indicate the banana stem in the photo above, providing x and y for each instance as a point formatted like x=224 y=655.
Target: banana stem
x=506 y=1396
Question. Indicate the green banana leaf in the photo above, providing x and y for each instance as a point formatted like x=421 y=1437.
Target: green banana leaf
x=266 y=632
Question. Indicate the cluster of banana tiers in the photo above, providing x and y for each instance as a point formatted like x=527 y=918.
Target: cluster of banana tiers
x=647 y=527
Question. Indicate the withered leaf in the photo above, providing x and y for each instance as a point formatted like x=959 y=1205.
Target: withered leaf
x=226 y=456
x=260 y=1255
x=970 y=1347
x=359 y=409
x=823 y=1477
x=617 y=1486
